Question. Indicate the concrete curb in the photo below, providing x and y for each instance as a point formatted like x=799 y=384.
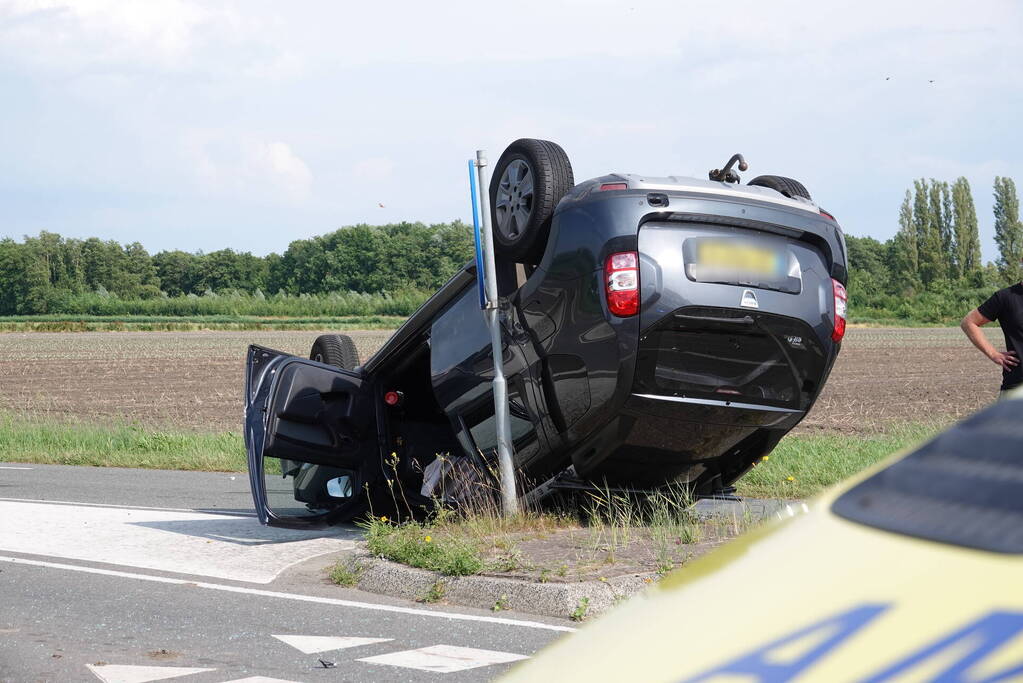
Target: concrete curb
x=565 y=600
x=577 y=600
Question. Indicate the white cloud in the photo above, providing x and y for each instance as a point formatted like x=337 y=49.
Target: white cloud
x=245 y=168
x=285 y=169
x=227 y=107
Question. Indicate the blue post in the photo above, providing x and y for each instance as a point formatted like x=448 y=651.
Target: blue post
x=480 y=287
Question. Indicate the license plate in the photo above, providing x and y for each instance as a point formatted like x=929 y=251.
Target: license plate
x=738 y=259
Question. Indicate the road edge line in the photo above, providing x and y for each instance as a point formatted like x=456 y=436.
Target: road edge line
x=288 y=596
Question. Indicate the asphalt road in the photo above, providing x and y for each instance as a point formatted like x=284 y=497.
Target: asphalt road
x=128 y=576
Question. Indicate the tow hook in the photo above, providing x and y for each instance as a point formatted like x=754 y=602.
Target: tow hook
x=726 y=174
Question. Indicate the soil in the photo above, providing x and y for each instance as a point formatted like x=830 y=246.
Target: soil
x=569 y=555
x=193 y=380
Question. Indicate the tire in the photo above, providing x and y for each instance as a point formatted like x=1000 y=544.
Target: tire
x=787 y=186
x=335 y=349
x=529 y=180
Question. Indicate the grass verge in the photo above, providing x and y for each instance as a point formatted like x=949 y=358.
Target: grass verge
x=103 y=323
x=801 y=466
x=24 y=440
x=804 y=464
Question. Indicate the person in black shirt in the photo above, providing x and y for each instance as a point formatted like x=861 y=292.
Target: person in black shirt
x=1005 y=306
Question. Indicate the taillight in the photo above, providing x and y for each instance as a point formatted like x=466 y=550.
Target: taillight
x=393 y=398
x=841 y=301
x=614 y=186
x=621 y=283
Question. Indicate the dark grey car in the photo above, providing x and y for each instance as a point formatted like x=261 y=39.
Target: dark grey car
x=655 y=330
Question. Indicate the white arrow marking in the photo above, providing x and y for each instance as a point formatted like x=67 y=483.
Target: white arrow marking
x=444 y=658
x=121 y=673
x=313 y=644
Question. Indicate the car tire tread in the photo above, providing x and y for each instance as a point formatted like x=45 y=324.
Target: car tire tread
x=786 y=186
x=337 y=350
x=552 y=179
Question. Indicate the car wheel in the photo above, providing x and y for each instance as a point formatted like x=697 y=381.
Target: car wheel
x=529 y=180
x=787 y=186
x=335 y=349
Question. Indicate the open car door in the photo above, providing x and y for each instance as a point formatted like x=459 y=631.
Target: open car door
x=311 y=436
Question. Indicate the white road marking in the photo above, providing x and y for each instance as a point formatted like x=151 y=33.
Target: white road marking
x=259 y=679
x=5 y=467
x=185 y=542
x=444 y=658
x=288 y=596
x=120 y=673
x=313 y=644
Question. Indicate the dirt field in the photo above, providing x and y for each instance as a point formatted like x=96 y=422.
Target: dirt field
x=193 y=380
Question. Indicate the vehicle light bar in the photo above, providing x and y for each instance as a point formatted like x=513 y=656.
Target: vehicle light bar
x=841 y=302
x=621 y=283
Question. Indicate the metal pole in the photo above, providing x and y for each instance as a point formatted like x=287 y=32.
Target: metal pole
x=501 y=418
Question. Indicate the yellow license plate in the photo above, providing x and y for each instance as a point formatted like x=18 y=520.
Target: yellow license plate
x=737 y=257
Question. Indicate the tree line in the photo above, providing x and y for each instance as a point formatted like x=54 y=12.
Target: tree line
x=53 y=274
x=932 y=270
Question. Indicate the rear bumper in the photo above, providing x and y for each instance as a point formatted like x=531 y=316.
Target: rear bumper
x=714 y=390
x=658 y=439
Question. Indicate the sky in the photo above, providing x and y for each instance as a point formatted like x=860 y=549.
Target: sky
x=205 y=125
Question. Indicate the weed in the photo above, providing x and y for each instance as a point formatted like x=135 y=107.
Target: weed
x=506 y=562
x=581 y=608
x=346 y=572
x=436 y=593
x=562 y=570
x=501 y=604
x=545 y=575
x=419 y=545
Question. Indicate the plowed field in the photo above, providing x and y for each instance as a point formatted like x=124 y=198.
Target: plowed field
x=193 y=380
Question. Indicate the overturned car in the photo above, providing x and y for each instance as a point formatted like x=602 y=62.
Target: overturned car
x=655 y=330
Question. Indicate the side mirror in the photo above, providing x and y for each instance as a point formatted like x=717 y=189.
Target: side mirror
x=340 y=487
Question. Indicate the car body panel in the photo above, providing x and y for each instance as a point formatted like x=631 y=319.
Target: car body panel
x=815 y=597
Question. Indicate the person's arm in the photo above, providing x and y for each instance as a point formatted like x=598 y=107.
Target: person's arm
x=971 y=325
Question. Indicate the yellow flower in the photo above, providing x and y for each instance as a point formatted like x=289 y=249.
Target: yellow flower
x=427 y=539
x=767 y=457
x=383 y=519
x=790 y=479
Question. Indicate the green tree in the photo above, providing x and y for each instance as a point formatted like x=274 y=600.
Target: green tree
x=1008 y=230
x=904 y=260
x=967 y=237
x=940 y=207
x=178 y=272
x=869 y=273
x=931 y=258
